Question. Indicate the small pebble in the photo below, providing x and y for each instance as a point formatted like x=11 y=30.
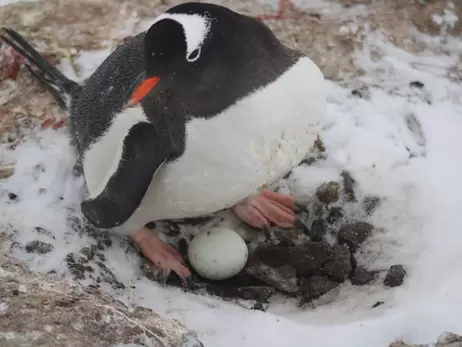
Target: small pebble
x=416 y=84
x=335 y=215
x=328 y=192
x=316 y=286
x=354 y=234
x=12 y=196
x=357 y=93
x=395 y=276
x=318 y=230
x=38 y=247
x=370 y=204
x=6 y=172
x=349 y=185
x=362 y=276
x=377 y=304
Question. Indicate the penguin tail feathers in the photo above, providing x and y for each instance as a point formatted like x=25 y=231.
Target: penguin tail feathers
x=53 y=80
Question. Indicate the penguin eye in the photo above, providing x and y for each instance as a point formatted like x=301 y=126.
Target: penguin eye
x=194 y=55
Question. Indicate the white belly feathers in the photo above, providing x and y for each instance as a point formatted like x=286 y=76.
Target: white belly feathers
x=230 y=156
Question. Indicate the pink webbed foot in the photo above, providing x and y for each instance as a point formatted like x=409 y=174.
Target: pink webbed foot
x=266 y=208
x=161 y=254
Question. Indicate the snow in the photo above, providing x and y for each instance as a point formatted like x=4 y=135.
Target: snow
x=398 y=142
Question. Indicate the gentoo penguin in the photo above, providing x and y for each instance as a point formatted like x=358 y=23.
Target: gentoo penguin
x=198 y=114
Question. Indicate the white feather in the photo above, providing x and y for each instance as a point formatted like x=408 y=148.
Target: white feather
x=238 y=152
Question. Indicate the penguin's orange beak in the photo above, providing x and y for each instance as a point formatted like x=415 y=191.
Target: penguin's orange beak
x=143 y=89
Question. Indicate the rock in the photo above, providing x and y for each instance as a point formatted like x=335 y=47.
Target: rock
x=65 y=312
x=328 y=192
x=283 y=278
x=377 y=304
x=349 y=185
x=260 y=293
x=448 y=339
x=362 y=276
x=12 y=196
x=316 y=286
x=318 y=230
x=335 y=215
x=416 y=84
x=306 y=258
x=39 y=247
x=354 y=234
x=339 y=267
x=76 y=264
x=88 y=252
x=370 y=204
x=6 y=172
x=109 y=277
x=395 y=276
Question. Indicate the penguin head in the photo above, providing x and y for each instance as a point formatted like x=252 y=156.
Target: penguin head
x=187 y=48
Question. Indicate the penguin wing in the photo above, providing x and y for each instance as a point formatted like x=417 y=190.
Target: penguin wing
x=145 y=150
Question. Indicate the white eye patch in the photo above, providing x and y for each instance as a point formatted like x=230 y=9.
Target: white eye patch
x=195 y=27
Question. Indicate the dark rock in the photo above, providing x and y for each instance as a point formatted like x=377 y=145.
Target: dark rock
x=88 y=252
x=339 y=267
x=377 y=304
x=74 y=258
x=39 y=247
x=354 y=234
x=173 y=229
x=306 y=258
x=183 y=247
x=362 y=276
x=109 y=277
x=258 y=307
x=287 y=237
x=370 y=204
x=283 y=278
x=12 y=196
x=357 y=93
x=75 y=263
x=260 y=293
x=317 y=209
x=101 y=256
x=416 y=84
x=318 y=230
x=328 y=192
x=335 y=215
x=395 y=276
x=349 y=185
x=319 y=145
x=44 y=231
x=104 y=241
x=316 y=286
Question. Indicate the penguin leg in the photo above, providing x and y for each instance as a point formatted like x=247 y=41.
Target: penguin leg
x=266 y=208
x=161 y=254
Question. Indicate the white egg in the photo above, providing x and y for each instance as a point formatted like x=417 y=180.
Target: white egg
x=218 y=253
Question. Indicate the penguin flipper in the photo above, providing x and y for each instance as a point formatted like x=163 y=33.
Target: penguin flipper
x=145 y=151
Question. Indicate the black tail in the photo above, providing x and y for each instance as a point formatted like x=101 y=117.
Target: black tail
x=54 y=81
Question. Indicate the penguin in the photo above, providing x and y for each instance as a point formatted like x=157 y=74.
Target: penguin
x=199 y=113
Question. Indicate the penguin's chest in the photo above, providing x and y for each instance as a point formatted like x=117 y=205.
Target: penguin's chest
x=237 y=153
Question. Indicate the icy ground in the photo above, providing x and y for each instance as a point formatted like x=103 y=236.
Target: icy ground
x=399 y=142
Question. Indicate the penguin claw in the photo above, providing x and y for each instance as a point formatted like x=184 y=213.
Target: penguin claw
x=163 y=256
